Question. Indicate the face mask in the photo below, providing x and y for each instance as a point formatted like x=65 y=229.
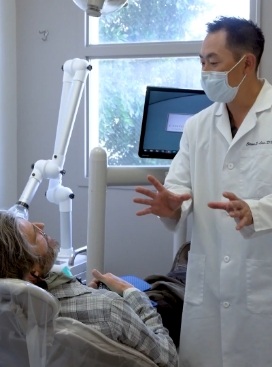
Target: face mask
x=215 y=84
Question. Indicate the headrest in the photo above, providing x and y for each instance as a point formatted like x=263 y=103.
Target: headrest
x=27 y=318
x=32 y=300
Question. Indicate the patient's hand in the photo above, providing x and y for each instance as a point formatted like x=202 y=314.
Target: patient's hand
x=114 y=283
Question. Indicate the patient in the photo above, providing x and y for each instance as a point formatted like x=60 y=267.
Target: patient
x=124 y=314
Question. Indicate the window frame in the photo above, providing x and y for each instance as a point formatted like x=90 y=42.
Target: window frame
x=142 y=50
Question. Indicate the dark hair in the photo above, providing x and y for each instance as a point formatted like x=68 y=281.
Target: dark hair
x=16 y=257
x=242 y=36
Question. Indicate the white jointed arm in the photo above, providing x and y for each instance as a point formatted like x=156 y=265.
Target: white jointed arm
x=75 y=73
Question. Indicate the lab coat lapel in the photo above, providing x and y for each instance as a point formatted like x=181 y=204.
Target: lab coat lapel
x=261 y=104
x=248 y=124
x=222 y=122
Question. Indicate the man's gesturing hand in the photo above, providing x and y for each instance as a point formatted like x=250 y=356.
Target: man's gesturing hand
x=236 y=208
x=161 y=202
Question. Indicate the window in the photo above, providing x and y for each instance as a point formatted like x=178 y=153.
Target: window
x=154 y=42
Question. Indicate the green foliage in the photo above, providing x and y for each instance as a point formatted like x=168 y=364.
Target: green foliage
x=149 y=21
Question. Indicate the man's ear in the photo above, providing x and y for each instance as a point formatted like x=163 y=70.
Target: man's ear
x=250 y=63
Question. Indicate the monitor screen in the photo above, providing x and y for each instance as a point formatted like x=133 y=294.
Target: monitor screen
x=165 y=113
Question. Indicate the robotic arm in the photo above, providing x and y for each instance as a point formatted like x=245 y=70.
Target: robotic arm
x=75 y=73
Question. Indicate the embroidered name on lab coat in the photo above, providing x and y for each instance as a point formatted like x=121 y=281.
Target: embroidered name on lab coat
x=259 y=142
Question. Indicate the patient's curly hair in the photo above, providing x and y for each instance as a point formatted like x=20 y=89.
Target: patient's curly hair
x=16 y=257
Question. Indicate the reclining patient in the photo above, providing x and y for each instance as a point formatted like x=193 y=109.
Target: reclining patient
x=124 y=314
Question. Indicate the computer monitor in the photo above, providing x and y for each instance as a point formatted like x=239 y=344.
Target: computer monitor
x=165 y=113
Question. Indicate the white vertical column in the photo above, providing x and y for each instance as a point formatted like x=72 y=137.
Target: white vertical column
x=96 y=210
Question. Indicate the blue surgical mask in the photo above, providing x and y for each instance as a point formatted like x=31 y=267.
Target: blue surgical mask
x=216 y=86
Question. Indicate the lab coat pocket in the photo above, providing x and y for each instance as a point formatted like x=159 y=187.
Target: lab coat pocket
x=195 y=279
x=255 y=172
x=259 y=286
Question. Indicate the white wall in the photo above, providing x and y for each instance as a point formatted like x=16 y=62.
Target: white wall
x=266 y=11
x=8 y=101
x=133 y=245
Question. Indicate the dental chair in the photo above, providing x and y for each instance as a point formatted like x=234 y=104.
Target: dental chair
x=32 y=334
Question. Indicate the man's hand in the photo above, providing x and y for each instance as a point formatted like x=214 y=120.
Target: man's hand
x=114 y=283
x=162 y=202
x=237 y=209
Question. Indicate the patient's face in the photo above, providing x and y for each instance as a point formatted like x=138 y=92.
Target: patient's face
x=43 y=245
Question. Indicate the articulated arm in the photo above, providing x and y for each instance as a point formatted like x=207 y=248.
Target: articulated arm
x=74 y=78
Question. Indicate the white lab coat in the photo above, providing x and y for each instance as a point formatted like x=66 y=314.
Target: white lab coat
x=227 y=316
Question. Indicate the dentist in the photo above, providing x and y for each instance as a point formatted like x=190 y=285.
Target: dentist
x=222 y=175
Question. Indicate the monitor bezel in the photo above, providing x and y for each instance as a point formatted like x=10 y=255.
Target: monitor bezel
x=149 y=89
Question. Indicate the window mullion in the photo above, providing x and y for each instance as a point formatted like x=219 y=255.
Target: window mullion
x=138 y=50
